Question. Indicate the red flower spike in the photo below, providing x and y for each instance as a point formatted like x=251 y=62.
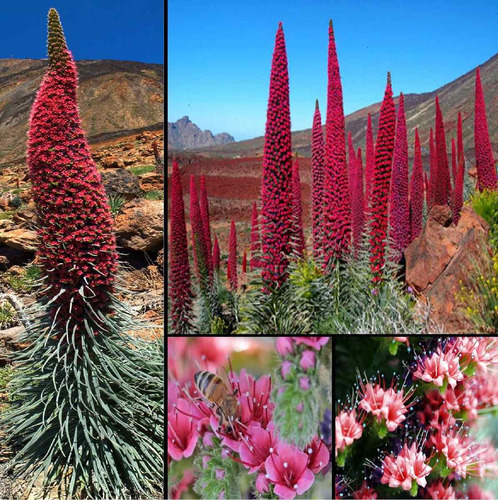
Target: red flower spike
x=442 y=186
x=453 y=160
x=180 y=292
x=370 y=164
x=317 y=174
x=351 y=164
x=232 y=257
x=255 y=242
x=416 y=191
x=198 y=238
x=337 y=203
x=486 y=172
x=426 y=183
x=276 y=190
x=216 y=254
x=459 y=138
x=399 y=213
x=297 y=209
x=77 y=247
x=358 y=204
x=204 y=204
x=382 y=176
x=432 y=169
x=457 y=198
x=244 y=262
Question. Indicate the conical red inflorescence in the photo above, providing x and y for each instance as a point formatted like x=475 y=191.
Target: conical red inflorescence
x=204 y=204
x=442 y=186
x=216 y=254
x=255 y=241
x=457 y=198
x=382 y=176
x=232 y=258
x=358 y=204
x=351 y=164
x=426 y=184
x=432 y=170
x=77 y=248
x=198 y=238
x=399 y=208
x=459 y=138
x=317 y=166
x=276 y=190
x=486 y=171
x=416 y=192
x=337 y=202
x=244 y=262
x=370 y=164
x=453 y=160
x=180 y=292
x=297 y=209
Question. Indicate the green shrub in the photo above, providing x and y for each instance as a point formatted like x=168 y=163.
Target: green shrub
x=154 y=195
x=8 y=318
x=16 y=202
x=486 y=205
x=116 y=202
x=144 y=169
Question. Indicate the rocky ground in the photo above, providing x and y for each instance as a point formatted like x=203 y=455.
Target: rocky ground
x=134 y=183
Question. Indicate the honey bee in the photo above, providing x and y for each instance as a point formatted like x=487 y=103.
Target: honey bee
x=216 y=393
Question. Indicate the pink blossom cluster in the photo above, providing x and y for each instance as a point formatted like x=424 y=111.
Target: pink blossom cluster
x=348 y=428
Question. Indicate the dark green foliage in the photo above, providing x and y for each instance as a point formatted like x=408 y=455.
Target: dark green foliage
x=485 y=204
x=116 y=203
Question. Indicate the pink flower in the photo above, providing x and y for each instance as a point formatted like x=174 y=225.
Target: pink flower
x=257 y=446
x=453 y=374
x=480 y=350
x=287 y=469
x=395 y=410
x=432 y=369
x=318 y=455
x=409 y=465
x=307 y=360
x=438 y=491
x=182 y=431
x=373 y=399
x=476 y=493
x=403 y=340
x=220 y=474
x=347 y=429
x=185 y=482
x=284 y=346
x=304 y=383
x=262 y=483
x=316 y=342
x=365 y=492
x=285 y=369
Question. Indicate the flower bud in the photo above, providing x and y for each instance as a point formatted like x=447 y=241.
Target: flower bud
x=285 y=346
x=304 y=383
x=307 y=360
x=285 y=369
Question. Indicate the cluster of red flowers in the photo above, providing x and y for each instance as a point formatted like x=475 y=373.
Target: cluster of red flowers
x=77 y=244
x=252 y=440
x=455 y=382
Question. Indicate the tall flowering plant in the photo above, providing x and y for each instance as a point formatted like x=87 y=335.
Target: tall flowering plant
x=226 y=457
x=86 y=417
x=410 y=429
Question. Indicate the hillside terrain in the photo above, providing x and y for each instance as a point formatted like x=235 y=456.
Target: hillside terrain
x=455 y=96
x=116 y=98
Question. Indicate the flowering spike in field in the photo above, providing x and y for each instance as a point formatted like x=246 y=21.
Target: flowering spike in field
x=317 y=174
x=232 y=257
x=416 y=191
x=457 y=198
x=486 y=171
x=382 y=176
x=427 y=187
x=255 y=241
x=276 y=190
x=198 y=238
x=244 y=262
x=459 y=138
x=351 y=163
x=432 y=169
x=337 y=202
x=453 y=160
x=358 y=204
x=180 y=292
x=216 y=254
x=442 y=187
x=370 y=163
x=297 y=209
x=399 y=213
x=204 y=204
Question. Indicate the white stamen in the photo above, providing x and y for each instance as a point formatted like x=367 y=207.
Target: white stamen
x=321 y=463
x=271 y=450
x=286 y=465
x=295 y=486
x=267 y=476
x=253 y=400
x=252 y=448
x=265 y=407
x=247 y=394
x=172 y=440
x=310 y=451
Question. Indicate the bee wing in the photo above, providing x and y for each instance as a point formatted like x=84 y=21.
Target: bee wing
x=222 y=373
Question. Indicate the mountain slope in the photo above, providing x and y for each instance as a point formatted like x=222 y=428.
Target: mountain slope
x=455 y=96
x=115 y=97
x=184 y=134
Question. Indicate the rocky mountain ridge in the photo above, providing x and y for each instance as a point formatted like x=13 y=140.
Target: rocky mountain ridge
x=184 y=134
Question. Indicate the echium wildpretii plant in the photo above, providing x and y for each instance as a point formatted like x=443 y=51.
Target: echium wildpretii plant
x=86 y=416
x=408 y=415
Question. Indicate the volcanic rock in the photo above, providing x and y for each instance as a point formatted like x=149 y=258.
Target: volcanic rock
x=443 y=260
x=139 y=226
x=183 y=134
x=20 y=239
x=122 y=182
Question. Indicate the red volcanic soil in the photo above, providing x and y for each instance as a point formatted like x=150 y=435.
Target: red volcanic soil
x=232 y=185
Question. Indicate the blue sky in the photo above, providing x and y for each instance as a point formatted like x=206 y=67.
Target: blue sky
x=219 y=54
x=131 y=30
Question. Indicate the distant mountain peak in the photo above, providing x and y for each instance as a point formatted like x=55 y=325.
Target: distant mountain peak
x=184 y=134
